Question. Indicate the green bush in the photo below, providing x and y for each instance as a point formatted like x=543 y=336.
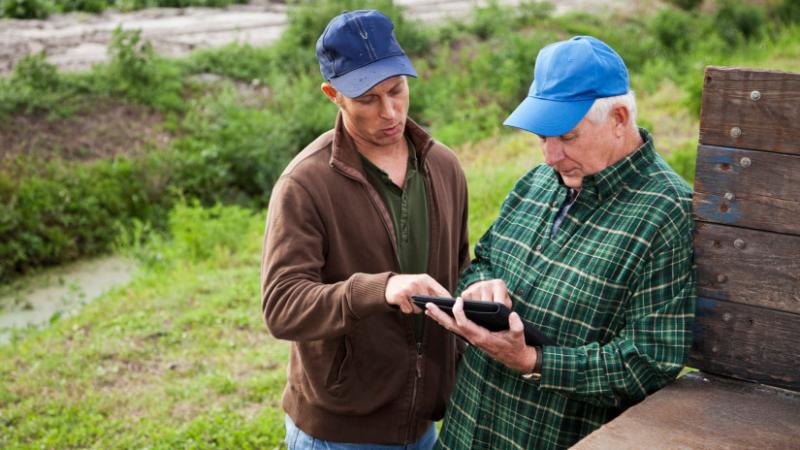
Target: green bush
x=738 y=21
x=673 y=29
x=55 y=212
x=40 y=9
x=788 y=11
x=687 y=5
x=198 y=233
x=90 y=6
x=137 y=73
x=36 y=86
x=25 y=9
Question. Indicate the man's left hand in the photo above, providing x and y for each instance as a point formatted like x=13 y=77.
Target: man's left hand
x=507 y=347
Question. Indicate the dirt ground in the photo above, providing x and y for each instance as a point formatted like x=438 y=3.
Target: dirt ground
x=75 y=41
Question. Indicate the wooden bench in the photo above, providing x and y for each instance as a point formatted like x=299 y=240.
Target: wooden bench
x=747 y=249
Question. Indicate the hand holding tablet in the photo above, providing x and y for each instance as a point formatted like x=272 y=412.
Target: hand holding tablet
x=490 y=315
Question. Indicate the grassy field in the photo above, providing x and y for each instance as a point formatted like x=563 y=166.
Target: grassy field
x=180 y=358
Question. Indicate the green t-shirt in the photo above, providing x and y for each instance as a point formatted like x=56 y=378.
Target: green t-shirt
x=408 y=207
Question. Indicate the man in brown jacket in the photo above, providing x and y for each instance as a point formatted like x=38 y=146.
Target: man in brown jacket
x=368 y=214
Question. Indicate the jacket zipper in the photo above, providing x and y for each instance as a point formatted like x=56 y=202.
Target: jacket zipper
x=417 y=378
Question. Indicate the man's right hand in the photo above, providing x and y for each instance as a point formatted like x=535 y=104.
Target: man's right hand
x=400 y=288
x=489 y=290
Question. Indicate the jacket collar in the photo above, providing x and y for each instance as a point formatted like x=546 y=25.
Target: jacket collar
x=345 y=156
x=606 y=183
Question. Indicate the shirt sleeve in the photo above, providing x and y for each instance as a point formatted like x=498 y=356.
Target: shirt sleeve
x=295 y=303
x=648 y=352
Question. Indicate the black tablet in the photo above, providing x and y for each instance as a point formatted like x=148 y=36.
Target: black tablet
x=490 y=315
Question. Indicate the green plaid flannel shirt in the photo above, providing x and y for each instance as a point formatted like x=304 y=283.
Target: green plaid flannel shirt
x=615 y=288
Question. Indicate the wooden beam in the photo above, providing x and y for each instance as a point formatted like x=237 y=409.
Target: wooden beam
x=700 y=411
x=751 y=109
x=747 y=342
x=748 y=188
x=748 y=266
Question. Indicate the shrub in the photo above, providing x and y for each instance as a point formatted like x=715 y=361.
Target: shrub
x=686 y=5
x=36 y=86
x=54 y=212
x=91 y=6
x=788 y=11
x=135 y=72
x=199 y=233
x=673 y=29
x=736 y=21
x=25 y=9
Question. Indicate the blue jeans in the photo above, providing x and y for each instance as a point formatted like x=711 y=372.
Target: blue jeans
x=296 y=439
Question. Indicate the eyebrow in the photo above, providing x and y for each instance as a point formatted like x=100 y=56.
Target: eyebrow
x=396 y=85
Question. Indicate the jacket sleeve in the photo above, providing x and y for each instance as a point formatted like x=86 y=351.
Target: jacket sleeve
x=295 y=303
x=648 y=352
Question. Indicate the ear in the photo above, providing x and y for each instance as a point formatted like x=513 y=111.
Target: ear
x=329 y=91
x=620 y=117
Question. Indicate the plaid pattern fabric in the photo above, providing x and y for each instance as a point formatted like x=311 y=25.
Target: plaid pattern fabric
x=615 y=288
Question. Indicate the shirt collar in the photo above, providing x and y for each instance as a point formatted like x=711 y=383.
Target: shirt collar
x=609 y=181
x=345 y=155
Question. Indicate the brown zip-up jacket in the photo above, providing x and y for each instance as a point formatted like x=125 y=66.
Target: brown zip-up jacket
x=355 y=371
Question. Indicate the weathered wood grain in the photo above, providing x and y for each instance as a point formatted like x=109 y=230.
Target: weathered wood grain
x=747 y=342
x=748 y=266
x=699 y=411
x=767 y=120
x=746 y=188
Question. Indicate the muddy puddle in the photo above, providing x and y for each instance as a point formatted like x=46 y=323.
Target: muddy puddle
x=59 y=292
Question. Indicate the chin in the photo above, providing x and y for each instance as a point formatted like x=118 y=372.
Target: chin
x=574 y=183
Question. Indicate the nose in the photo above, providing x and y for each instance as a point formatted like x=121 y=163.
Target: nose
x=387 y=108
x=553 y=151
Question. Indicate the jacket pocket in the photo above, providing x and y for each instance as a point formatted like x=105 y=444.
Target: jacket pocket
x=337 y=373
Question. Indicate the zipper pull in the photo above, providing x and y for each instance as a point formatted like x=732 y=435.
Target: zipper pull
x=419 y=365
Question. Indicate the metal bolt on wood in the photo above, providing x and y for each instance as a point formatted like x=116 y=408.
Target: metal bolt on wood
x=736 y=132
x=727 y=317
x=721 y=278
x=729 y=196
x=745 y=162
x=740 y=244
x=755 y=96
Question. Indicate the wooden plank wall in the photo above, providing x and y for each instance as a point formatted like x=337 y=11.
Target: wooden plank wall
x=747 y=243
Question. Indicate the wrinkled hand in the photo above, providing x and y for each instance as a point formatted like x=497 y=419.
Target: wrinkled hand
x=489 y=290
x=507 y=347
x=400 y=288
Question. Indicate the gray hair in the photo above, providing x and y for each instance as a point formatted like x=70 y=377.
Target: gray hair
x=601 y=108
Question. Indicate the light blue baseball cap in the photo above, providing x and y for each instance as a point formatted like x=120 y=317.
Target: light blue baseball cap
x=569 y=76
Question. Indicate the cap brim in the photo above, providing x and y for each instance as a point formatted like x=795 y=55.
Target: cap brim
x=356 y=82
x=548 y=117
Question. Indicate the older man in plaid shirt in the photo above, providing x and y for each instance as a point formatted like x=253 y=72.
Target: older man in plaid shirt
x=595 y=249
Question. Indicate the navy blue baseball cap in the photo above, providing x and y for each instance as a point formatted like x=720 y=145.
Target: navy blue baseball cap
x=358 y=50
x=569 y=76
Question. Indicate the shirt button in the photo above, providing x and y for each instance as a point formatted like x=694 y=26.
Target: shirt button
x=555 y=203
x=538 y=247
